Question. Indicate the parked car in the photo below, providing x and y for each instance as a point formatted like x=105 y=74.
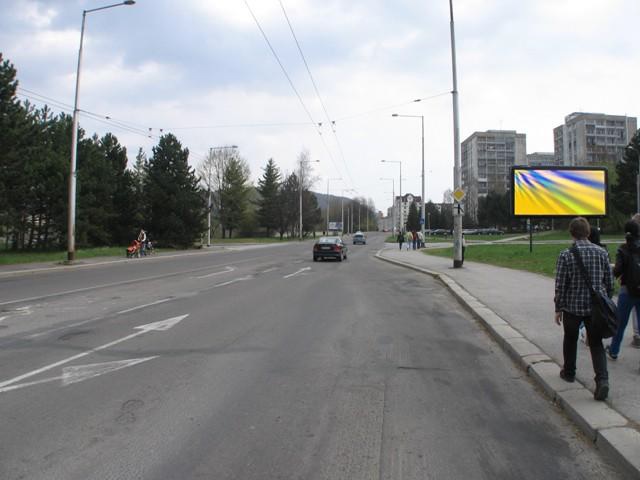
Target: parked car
x=359 y=238
x=490 y=231
x=329 y=247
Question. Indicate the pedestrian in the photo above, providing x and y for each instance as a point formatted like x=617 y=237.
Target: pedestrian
x=414 y=239
x=420 y=240
x=573 y=302
x=408 y=238
x=142 y=238
x=400 y=239
x=464 y=247
x=627 y=268
x=635 y=342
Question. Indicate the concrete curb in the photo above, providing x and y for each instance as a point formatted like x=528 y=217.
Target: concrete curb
x=609 y=430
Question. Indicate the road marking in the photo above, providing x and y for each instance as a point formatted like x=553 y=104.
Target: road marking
x=79 y=373
x=236 y=280
x=269 y=270
x=296 y=273
x=226 y=270
x=2 y=318
x=144 y=306
x=160 y=326
x=125 y=282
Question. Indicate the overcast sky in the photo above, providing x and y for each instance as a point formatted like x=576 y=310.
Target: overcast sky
x=202 y=70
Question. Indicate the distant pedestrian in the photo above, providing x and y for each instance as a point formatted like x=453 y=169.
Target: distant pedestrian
x=408 y=239
x=464 y=247
x=142 y=238
x=635 y=342
x=573 y=302
x=414 y=239
x=628 y=270
x=400 y=239
x=420 y=240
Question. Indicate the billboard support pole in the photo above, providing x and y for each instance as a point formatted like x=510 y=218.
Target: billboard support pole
x=530 y=236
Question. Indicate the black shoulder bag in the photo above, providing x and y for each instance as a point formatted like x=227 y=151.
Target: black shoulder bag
x=604 y=313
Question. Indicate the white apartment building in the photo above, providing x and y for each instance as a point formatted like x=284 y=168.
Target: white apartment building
x=487 y=158
x=592 y=139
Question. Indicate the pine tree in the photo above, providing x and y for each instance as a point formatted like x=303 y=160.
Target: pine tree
x=623 y=192
x=234 y=194
x=413 y=220
x=176 y=207
x=268 y=187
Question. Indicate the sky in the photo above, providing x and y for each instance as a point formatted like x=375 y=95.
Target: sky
x=202 y=70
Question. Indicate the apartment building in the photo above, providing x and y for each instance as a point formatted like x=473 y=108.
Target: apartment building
x=541 y=159
x=487 y=158
x=592 y=139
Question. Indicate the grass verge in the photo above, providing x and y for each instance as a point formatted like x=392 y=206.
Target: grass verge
x=13 y=258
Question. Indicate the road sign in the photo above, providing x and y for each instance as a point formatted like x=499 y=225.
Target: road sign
x=458 y=194
x=422 y=221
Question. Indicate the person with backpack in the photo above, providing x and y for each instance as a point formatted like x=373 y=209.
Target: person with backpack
x=400 y=239
x=627 y=268
x=573 y=302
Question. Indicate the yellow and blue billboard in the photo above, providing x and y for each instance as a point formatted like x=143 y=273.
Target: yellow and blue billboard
x=558 y=191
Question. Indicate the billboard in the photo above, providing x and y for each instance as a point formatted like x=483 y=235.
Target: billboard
x=558 y=191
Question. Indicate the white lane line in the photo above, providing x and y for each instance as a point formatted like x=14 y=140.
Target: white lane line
x=117 y=284
x=2 y=318
x=269 y=270
x=79 y=373
x=226 y=270
x=161 y=326
x=296 y=273
x=144 y=306
x=236 y=280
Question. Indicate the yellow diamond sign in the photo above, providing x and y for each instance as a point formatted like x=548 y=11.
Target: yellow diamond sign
x=458 y=194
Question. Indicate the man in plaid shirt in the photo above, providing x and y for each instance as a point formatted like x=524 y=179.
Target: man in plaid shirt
x=573 y=303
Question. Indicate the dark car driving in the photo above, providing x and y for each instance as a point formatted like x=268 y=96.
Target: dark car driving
x=329 y=247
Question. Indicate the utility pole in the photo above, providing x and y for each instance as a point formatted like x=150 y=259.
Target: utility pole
x=457 y=174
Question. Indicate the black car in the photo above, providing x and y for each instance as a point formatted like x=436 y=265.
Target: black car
x=329 y=247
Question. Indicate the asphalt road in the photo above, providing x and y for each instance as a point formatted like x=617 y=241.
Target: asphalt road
x=258 y=363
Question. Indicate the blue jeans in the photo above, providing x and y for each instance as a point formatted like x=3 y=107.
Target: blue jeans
x=625 y=304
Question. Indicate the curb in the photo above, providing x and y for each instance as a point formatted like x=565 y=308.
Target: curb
x=611 y=432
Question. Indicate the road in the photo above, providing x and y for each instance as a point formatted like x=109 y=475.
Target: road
x=258 y=363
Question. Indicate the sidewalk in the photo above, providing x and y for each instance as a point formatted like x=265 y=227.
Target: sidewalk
x=517 y=309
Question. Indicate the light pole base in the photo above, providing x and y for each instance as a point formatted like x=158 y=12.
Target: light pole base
x=71 y=257
x=457 y=264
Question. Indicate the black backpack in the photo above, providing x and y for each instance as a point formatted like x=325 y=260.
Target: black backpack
x=632 y=273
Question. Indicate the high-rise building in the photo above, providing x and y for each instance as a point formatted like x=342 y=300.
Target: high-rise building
x=402 y=204
x=592 y=139
x=541 y=159
x=487 y=158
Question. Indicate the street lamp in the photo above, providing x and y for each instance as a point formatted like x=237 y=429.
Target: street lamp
x=71 y=213
x=211 y=150
x=394 y=200
x=328 y=201
x=301 y=185
x=422 y=215
x=345 y=190
x=457 y=174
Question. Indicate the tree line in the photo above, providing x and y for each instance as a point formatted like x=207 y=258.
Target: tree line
x=161 y=193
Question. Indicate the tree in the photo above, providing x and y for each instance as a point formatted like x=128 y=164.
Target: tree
x=234 y=194
x=413 y=220
x=311 y=213
x=268 y=187
x=623 y=192
x=175 y=204
x=288 y=205
x=493 y=210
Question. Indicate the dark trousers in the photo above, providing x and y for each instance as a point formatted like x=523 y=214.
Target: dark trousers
x=571 y=325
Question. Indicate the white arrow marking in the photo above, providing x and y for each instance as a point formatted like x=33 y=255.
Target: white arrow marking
x=156 y=326
x=241 y=279
x=79 y=373
x=226 y=270
x=143 y=306
x=296 y=273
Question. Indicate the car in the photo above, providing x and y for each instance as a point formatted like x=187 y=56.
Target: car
x=329 y=247
x=359 y=238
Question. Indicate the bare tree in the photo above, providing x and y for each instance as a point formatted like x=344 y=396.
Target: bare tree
x=211 y=172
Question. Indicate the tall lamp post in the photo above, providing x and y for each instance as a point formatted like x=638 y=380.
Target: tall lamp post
x=394 y=200
x=211 y=150
x=457 y=174
x=422 y=213
x=329 y=201
x=302 y=162
x=342 y=205
x=71 y=213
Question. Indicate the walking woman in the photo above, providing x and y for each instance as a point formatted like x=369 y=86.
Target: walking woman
x=400 y=239
x=627 y=271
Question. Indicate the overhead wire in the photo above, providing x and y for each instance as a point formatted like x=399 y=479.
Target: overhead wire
x=315 y=87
